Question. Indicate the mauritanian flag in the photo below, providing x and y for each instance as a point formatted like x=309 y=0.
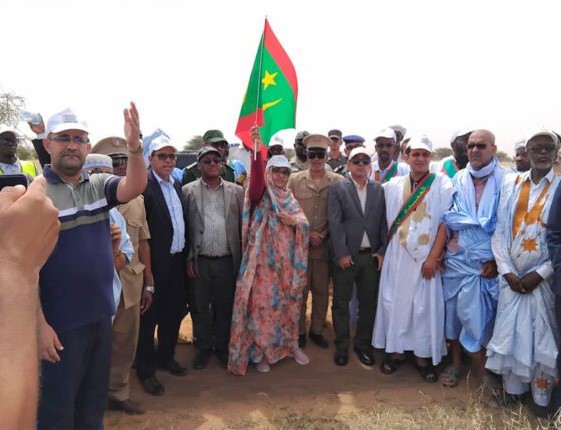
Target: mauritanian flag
x=270 y=98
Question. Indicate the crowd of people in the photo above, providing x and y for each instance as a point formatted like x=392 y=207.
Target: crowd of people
x=430 y=261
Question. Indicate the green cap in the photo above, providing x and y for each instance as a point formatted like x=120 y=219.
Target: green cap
x=214 y=136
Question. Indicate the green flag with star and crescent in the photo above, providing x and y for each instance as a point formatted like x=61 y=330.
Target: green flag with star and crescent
x=270 y=98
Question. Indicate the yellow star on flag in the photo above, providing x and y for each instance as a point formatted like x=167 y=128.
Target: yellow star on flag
x=269 y=79
x=529 y=245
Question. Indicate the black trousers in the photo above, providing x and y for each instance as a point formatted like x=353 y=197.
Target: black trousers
x=366 y=275
x=213 y=293
x=166 y=312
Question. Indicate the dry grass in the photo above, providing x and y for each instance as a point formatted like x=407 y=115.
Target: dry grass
x=472 y=414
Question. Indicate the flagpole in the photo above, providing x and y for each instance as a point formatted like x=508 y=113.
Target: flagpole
x=261 y=45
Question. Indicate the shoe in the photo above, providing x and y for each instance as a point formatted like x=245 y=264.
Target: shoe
x=152 y=386
x=319 y=340
x=222 y=355
x=302 y=340
x=341 y=358
x=174 y=368
x=127 y=406
x=201 y=360
x=365 y=356
x=300 y=356
x=263 y=366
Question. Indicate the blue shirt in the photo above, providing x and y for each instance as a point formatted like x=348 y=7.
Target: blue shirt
x=125 y=247
x=175 y=212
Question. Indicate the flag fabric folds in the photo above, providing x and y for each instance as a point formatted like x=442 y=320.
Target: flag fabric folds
x=272 y=91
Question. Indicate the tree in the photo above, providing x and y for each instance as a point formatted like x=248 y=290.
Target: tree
x=503 y=157
x=10 y=107
x=440 y=153
x=196 y=142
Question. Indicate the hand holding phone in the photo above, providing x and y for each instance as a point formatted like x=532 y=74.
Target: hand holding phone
x=13 y=180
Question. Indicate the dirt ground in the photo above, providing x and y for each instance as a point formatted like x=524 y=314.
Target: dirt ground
x=213 y=398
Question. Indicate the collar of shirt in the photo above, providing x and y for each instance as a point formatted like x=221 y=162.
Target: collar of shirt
x=213 y=188
x=549 y=177
x=358 y=187
x=170 y=181
x=383 y=171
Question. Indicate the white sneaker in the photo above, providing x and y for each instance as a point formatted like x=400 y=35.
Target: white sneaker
x=300 y=356
x=263 y=366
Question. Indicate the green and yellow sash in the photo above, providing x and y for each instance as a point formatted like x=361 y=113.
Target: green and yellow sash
x=388 y=176
x=414 y=200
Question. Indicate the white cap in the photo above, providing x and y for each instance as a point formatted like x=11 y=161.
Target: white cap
x=276 y=139
x=359 y=150
x=459 y=133
x=278 y=161
x=388 y=133
x=520 y=143
x=543 y=132
x=8 y=129
x=421 y=142
x=98 y=160
x=65 y=120
x=160 y=142
x=399 y=128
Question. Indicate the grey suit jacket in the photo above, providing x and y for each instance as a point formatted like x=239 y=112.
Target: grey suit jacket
x=233 y=204
x=347 y=222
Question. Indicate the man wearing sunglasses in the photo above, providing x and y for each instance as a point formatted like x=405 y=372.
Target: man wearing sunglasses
x=167 y=220
x=470 y=280
x=214 y=254
x=524 y=345
x=357 y=239
x=10 y=164
x=310 y=188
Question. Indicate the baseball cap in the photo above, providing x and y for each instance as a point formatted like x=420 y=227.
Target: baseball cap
x=300 y=136
x=278 y=161
x=160 y=142
x=206 y=150
x=65 y=120
x=335 y=133
x=8 y=129
x=398 y=128
x=214 y=136
x=543 y=132
x=388 y=133
x=359 y=150
x=459 y=133
x=421 y=142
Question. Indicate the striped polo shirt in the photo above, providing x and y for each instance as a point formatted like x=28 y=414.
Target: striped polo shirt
x=76 y=282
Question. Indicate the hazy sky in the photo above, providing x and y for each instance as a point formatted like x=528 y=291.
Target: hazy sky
x=432 y=66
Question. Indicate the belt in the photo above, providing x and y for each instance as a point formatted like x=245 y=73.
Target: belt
x=214 y=257
x=365 y=251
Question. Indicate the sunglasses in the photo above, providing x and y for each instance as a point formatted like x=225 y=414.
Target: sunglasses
x=65 y=138
x=472 y=146
x=214 y=160
x=313 y=155
x=163 y=156
x=540 y=147
x=357 y=161
x=281 y=171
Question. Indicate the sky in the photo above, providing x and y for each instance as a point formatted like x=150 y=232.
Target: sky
x=433 y=66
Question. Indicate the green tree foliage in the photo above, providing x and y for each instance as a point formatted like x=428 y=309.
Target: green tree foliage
x=440 y=153
x=25 y=152
x=503 y=157
x=196 y=142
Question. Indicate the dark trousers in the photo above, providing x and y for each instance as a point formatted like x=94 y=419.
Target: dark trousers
x=166 y=312
x=366 y=275
x=556 y=395
x=214 y=289
x=74 y=390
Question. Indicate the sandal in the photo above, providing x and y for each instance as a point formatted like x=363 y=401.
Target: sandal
x=390 y=365
x=450 y=377
x=427 y=372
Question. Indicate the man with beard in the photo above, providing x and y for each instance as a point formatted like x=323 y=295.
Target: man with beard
x=76 y=282
x=385 y=167
x=470 y=279
x=458 y=160
x=521 y=156
x=525 y=339
x=300 y=160
x=9 y=162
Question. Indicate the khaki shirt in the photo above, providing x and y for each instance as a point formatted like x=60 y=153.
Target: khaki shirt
x=312 y=198
x=132 y=275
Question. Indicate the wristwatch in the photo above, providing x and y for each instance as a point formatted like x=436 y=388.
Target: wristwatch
x=136 y=150
x=150 y=288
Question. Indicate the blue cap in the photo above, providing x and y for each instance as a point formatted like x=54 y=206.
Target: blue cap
x=353 y=138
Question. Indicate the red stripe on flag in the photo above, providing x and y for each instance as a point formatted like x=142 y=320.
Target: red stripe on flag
x=281 y=58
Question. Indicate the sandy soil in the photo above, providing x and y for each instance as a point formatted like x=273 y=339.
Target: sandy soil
x=213 y=398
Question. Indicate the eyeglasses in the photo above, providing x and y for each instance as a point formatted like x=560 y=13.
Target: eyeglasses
x=8 y=140
x=357 y=161
x=214 y=160
x=540 y=147
x=479 y=146
x=313 y=155
x=163 y=156
x=65 y=138
x=120 y=162
x=281 y=171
